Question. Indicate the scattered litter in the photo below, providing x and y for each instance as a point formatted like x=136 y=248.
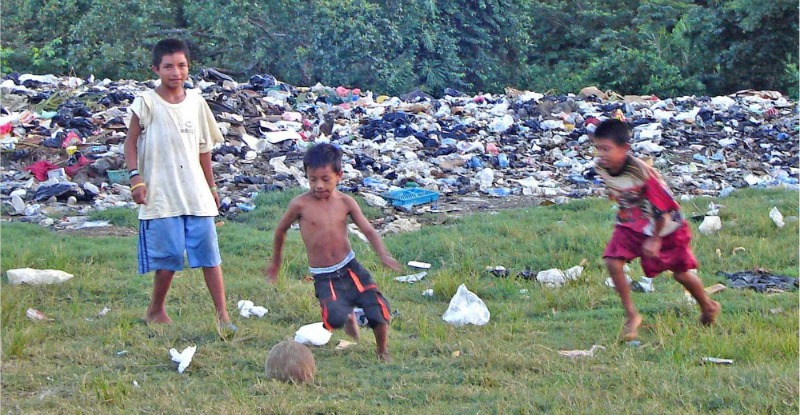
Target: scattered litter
x=361 y=318
x=247 y=308
x=313 y=335
x=37 y=276
x=466 y=308
x=710 y=225
x=581 y=353
x=776 y=310
x=136 y=384
x=523 y=291
x=644 y=285
x=35 y=314
x=715 y=288
x=455 y=353
x=344 y=344
x=776 y=217
x=688 y=297
x=401 y=225
x=183 y=358
x=555 y=278
x=609 y=282
x=717 y=361
x=428 y=293
x=122 y=353
x=420 y=265
x=353 y=228
x=760 y=280
x=633 y=343
x=103 y=312
x=498 y=271
x=411 y=278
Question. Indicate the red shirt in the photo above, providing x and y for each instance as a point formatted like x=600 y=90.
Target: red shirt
x=642 y=196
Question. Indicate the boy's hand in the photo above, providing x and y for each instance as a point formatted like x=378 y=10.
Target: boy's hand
x=216 y=198
x=391 y=263
x=139 y=194
x=652 y=246
x=272 y=272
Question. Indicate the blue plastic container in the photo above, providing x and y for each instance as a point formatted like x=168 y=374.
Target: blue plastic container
x=411 y=197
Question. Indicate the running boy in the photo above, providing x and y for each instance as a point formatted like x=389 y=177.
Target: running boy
x=340 y=282
x=649 y=224
x=168 y=154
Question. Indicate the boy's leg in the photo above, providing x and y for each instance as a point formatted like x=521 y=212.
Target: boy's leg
x=213 y=277
x=708 y=307
x=616 y=269
x=351 y=327
x=156 y=313
x=381 y=333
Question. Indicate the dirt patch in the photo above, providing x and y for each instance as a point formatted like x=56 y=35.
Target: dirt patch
x=102 y=231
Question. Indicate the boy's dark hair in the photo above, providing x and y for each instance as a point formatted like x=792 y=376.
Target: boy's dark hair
x=168 y=47
x=321 y=155
x=615 y=130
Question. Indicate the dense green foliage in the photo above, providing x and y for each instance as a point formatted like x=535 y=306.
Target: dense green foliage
x=665 y=47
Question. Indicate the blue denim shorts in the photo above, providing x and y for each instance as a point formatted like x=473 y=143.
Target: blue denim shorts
x=163 y=242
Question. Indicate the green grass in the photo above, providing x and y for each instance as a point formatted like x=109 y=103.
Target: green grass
x=511 y=365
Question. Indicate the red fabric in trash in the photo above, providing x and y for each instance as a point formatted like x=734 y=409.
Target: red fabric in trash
x=5 y=128
x=73 y=169
x=40 y=169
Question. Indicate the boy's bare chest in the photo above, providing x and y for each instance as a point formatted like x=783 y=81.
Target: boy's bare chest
x=323 y=216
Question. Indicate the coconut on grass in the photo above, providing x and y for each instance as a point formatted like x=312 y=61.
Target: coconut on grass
x=290 y=361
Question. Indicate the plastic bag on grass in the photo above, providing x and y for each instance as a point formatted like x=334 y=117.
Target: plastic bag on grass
x=466 y=308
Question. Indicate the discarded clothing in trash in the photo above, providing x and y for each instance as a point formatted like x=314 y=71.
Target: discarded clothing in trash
x=760 y=280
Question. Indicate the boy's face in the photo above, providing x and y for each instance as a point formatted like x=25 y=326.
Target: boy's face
x=173 y=70
x=611 y=156
x=322 y=181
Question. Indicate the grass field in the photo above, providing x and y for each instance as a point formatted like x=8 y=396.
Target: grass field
x=79 y=363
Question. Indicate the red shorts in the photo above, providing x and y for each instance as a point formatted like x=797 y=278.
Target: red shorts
x=675 y=254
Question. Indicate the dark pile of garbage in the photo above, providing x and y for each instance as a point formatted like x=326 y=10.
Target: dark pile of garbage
x=62 y=138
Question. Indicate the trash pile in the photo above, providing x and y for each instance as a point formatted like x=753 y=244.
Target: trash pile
x=61 y=141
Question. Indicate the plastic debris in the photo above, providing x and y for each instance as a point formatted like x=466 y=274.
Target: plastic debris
x=761 y=281
x=313 y=335
x=37 y=276
x=715 y=288
x=420 y=265
x=717 y=361
x=247 y=309
x=411 y=278
x=581 y=353
x=344 y=344
x=466 y=308
x=710 y=225
x=776 y=217
x=35 y=314
x=554 y=278
x=428 y=293
x=184 y=358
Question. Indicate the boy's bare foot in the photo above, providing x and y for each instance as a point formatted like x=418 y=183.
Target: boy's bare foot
x=351 y=326
x=631 y=327
x=384 y=356
x=160 y=317
x=708 y=316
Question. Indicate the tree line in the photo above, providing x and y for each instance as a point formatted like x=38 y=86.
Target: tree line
x=662 y=47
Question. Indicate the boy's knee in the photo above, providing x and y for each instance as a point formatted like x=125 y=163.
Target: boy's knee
x=614 y=264
x=336 y=318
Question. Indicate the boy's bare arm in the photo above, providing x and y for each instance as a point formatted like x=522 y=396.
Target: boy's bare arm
x=291 y=215
x=139 y=194
x=372 y=236
x=208 y=172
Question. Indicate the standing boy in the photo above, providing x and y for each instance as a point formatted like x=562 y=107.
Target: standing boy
x=340 y=282
x=168 y=154
x=649 y=225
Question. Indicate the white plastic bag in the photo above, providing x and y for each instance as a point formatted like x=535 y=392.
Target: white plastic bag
x=776 y=217
x=37 y=276
x=710 y=225
x=313 y=335
x=183 y=358
x=466 y=308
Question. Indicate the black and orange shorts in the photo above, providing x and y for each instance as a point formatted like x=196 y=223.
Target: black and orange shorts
x=351 y=286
